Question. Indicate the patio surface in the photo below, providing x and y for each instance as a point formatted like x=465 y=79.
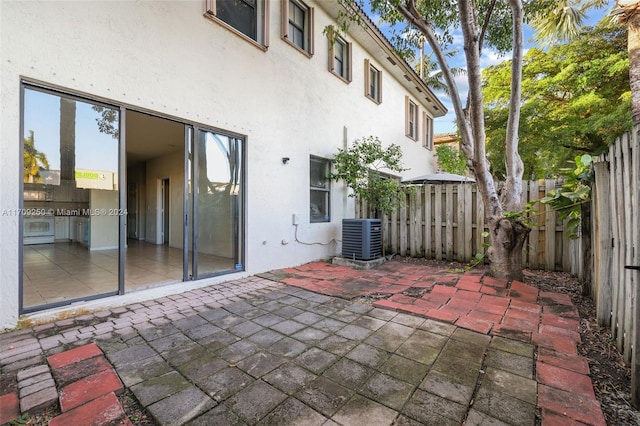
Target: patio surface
x=315 y=345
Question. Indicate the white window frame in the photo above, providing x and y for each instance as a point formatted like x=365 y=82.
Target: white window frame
x=262 y=22
x=325 y=189
x=307 y=26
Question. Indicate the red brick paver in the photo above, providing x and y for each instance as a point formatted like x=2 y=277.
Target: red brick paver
x=105 y=410
x=9 y=407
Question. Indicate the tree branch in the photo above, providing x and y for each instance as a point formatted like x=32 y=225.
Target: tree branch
x=409 y=11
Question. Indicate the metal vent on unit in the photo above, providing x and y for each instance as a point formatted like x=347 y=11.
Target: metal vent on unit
x=361 y=239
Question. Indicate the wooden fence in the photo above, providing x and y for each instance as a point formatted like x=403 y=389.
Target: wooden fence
x=447 y=221
x=616 y=244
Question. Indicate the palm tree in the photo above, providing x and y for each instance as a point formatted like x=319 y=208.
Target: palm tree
x=628 y=13
x=34 y=160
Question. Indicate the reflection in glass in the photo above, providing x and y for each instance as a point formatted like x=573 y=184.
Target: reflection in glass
x=218 y=203
x=70 y=175
x=319 y=196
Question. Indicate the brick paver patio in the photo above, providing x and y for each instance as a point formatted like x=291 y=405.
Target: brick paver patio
x=427 y=347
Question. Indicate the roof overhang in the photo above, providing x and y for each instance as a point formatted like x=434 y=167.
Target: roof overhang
x=376 y=43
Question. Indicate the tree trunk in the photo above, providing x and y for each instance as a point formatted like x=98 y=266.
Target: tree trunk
x=634 y=64
x=507 y=237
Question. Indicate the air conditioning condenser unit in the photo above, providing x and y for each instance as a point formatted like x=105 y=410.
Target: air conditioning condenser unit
x=361 y=239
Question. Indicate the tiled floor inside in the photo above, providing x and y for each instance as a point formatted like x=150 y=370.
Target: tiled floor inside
x=64 y=271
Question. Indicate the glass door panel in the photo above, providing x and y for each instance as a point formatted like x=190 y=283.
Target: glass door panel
x=71 y=199
x=218 y=203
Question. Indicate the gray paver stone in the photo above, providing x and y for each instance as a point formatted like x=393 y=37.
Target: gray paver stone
x=287 y=327
x=441 y=385
x=202 y=366
x=316 y=360
x=476 y=418
x=288 y=347
x=32 y=371
x=39 y=400
x=157 y=388
x=310 y=335
x=368 y=355
x=438 y=327
x=362 y=411
x=261 y=363
x=289 y=378
x=349 y=373
x=129 y=355
x=324 y=395
x=504 y=407
x=225 y=382
x=387 y=390
x=238 y=351
x=293 y=412
x=516 y=364
x=404 y=369
x=37 y=386
x=511 y=384
x=181 y=407
x=256 y=401
x=432 y=409
x=512 y=346
x=245 y=329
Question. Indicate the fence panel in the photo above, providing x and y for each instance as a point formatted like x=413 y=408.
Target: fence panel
x=615 y=230
x=446 y=221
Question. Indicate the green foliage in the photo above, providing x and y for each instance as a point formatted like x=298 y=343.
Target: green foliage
x=361 y=167
x=567 y=200
x=478 y=258
x=451 y=160
x=20 y=420
x=576 y=99
x=34 y=160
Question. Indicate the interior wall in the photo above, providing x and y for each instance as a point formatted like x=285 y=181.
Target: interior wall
x=104 y=221
x=167 y=166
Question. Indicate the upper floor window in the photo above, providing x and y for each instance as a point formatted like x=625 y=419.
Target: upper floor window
x=340 y=58
x=297 y=25
x=428 y=131
x=372 y=82
x=247 y=18
x=411 y=119
x=320 y=190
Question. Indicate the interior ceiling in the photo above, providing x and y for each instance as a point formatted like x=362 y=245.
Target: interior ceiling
x=150 y=137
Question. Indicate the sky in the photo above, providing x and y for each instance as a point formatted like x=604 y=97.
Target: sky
x=446 y=124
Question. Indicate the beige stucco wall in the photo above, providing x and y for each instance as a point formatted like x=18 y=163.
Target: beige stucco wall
x=167 y=58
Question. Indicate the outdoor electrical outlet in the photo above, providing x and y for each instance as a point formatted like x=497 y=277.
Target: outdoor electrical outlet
x=296 y=219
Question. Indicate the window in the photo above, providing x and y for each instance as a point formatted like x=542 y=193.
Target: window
x=428 y=131
x=320 y=190
x=372 y=82
x=248 y=18
x=411 y=119
x=340 y=58
x=297 y=25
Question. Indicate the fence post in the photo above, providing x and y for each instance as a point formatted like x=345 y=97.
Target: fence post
x=635 y=245
x=428 y=214
x=602 y=241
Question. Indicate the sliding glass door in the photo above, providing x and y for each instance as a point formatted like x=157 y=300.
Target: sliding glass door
x=217 y=203
x=71 y=206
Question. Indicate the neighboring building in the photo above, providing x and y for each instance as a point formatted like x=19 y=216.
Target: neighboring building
x=131 y=130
